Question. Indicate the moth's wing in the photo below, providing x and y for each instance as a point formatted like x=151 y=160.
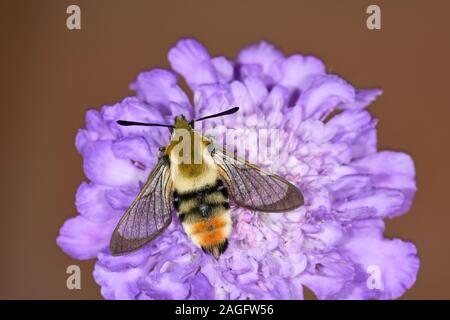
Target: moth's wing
x=253 y=188
x=149 y=214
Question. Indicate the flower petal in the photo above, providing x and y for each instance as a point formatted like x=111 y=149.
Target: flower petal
x=325 y=94
x=362 y=99
x=349 y=124
x=356 y=128
x=119 y=285
x=159 y=88
x=326 y=237
x=135 y=259
x=201 y=289
x=263 y=56
x=256 y=90
x=224 y=69
x=391 y=265
x=172 y=275
x=190 y=59
x=132 y=109
x=103 y=167
x=365 y=144
x=83 y=239
x=91 y=202
x=299 y=71
x=329 y=276
x=96 y=129
x=287 y=289
x=241 y=97
x=121 y=198
x=350 y=185
x=164 y=286
x=276 y=101
x=375 y=203
x=212 y=98
x=136 y=151
x=393 y=170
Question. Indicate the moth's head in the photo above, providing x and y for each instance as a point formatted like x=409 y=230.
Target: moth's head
x=181 y=131
x=182 y=123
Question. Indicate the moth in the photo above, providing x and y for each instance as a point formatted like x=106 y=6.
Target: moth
x=196 y=178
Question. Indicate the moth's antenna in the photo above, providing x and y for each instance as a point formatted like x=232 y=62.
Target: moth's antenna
x=224 y=113
x=132 y=123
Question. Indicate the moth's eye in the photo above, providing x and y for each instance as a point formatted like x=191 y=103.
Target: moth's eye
x=171 y=130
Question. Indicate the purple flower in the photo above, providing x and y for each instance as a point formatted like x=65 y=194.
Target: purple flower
x=334 y=244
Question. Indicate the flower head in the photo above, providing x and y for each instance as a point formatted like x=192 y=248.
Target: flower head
x=334 y=244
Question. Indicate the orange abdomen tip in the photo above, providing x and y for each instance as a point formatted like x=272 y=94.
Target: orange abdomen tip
x=211 y=238
x=209 y=225
x=212 y=234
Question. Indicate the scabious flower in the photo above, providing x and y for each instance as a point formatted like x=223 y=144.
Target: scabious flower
x=334 y=244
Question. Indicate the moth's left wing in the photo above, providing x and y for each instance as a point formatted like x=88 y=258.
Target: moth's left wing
x=149 y=214
x=253 y=188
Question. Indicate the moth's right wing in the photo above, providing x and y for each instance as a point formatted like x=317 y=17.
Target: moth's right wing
x=253 y=188
x=149 y=214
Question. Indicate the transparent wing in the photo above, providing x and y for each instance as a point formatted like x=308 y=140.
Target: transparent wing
x=149 y=214
x=253 y=188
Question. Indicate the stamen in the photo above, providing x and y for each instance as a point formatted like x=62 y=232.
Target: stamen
x=138 y=164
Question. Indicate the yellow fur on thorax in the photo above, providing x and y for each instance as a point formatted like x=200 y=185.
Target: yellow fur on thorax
x=191 y=176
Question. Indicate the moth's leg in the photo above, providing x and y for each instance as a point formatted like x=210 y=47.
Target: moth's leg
x=211 y=149
x=161 y=152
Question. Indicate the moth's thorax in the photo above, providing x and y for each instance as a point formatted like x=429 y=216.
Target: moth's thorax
x=191 y=163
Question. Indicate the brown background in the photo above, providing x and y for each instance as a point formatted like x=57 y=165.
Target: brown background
x=50 y=75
